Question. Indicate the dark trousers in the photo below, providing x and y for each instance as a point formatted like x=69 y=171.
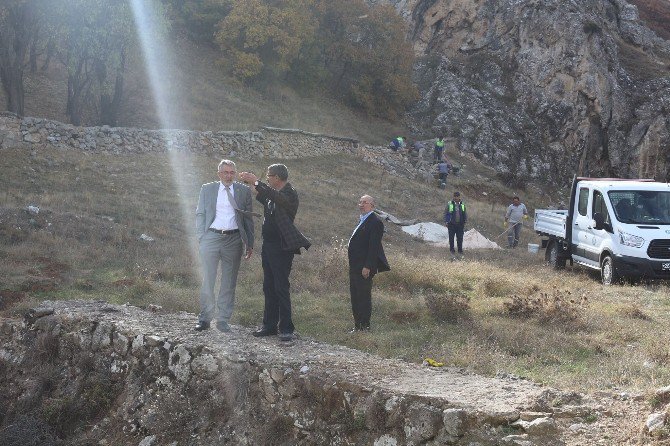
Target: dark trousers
x=361 y=298
x=457 y=231
x=437 y=154
x=276 y=287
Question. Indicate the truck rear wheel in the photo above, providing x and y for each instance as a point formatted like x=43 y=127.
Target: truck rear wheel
x=553 y=255
x=608 y=273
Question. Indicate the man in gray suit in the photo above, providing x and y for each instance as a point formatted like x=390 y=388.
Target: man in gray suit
x=225 y=230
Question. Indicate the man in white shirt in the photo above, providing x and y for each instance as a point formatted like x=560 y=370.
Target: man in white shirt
x=225 y=230
x=514 y=216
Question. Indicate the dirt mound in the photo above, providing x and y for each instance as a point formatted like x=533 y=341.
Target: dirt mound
x=439 y=235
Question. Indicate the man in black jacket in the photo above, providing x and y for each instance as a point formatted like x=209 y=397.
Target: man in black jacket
x=366 y=258
x=281 y=240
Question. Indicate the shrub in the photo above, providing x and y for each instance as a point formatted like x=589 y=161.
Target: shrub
x=448 y=306
x=404 y=317
x=633 y=311
x=497 y=288
x=557 y=306
x=658 y=351
x=140 y=289
x=334 y=266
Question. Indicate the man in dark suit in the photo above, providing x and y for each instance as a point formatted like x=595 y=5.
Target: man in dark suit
x=366 y=258
x=225 y=230
x=281 y=241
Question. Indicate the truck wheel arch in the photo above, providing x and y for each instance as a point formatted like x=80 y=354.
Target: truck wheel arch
x=552 y=255
x=608 y=272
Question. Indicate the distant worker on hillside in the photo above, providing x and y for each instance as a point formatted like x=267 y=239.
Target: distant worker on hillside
x=366 y=258
x=455 y=217
x=420 y=149
x=514 y=216
x=439 y=149
x=398 y=143
x=442 y=173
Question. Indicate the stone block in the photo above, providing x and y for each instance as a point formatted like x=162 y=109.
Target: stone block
x=179 y=363
x=205 y=366
x=102 y=336
x=454 y=421
x=421 y=423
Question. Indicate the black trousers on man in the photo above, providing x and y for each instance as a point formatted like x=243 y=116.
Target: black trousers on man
x=277 y=265
x=456 y=231
x=361 y=298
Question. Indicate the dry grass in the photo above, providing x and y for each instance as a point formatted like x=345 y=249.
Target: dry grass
x=85 y=243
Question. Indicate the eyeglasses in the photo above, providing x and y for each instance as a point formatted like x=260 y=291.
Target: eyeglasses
x=271 y=175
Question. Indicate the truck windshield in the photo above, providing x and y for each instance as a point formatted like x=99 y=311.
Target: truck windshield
x=641 y=206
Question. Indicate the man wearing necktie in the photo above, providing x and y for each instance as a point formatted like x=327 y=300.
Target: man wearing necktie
x=225 y=230
x=366 y=258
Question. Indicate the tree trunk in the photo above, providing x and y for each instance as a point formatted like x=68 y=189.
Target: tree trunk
x=78 y=83
x=16 y=31
x=110 y=107
x=12 y=85
x=33 y=50
x=51 y=48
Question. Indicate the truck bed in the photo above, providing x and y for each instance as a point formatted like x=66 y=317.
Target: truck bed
x=551 y=222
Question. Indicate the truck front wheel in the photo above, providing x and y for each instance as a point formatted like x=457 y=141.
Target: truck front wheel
x=608 y=272
x=553 y=255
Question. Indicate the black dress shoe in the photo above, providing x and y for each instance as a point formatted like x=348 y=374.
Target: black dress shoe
x=201 y=325
x=265 y=332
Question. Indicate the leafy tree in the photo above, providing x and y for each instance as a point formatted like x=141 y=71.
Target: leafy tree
x=198 y=18
x=264 y=37
x=357 y=52
x=19 y=22
x=367 y=55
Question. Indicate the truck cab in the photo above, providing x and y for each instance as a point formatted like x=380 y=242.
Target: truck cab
x=620 y=227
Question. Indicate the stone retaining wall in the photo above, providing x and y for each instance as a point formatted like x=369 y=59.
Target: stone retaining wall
x=36 y=133
x=268 y=142
x=111 y=374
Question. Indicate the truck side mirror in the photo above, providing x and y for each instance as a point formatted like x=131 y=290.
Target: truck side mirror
x=599 y=220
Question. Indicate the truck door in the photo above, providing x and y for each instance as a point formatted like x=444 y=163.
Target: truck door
x=581 y=231
x=596 y=238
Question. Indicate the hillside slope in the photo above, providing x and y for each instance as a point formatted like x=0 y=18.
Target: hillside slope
x=499 y=312
x=545 y=89
x=208 y=100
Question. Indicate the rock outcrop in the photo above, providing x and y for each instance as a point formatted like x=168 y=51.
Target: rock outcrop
x=99 y=374
x=544 y=88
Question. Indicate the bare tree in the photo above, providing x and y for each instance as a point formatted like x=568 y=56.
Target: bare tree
x=93 y=39
x=18 y=24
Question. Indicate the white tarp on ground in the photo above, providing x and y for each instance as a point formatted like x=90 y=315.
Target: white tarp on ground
x=439 y=235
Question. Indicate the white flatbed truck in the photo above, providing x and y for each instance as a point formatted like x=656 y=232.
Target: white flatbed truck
x=620 y=227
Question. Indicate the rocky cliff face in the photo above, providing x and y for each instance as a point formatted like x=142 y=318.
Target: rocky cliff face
x=544 y=88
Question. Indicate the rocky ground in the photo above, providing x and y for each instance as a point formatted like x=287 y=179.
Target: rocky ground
x=155 y=360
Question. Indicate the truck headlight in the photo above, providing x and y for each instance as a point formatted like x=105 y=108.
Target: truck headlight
x=630 y=240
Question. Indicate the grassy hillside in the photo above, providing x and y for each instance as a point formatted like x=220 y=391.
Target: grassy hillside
x=208 y=100
x=493 y=312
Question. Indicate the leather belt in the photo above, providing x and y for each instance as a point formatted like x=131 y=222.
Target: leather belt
x=219 y=231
